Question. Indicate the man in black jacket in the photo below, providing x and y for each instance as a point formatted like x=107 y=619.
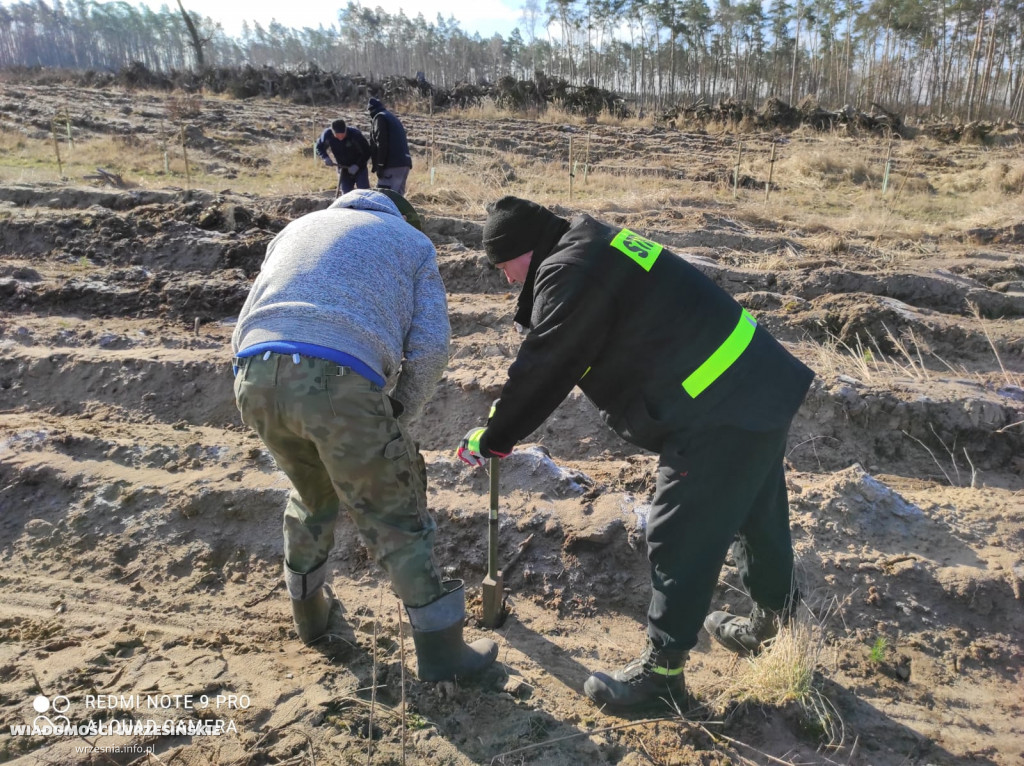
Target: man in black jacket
x=350 y=149
x=389 y=148
x=678 y=367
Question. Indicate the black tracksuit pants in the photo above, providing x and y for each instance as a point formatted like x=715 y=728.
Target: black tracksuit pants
x=713 y=487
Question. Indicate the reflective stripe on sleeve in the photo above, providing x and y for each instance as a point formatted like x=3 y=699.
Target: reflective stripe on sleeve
x=723 y=356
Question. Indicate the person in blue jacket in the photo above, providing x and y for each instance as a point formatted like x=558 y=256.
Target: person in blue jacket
x=677 y=367
x=389 y=148
x=346 y=148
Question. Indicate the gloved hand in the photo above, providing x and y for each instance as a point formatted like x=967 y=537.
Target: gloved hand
x=328 y=162
x=470 y=452
x=353 y=169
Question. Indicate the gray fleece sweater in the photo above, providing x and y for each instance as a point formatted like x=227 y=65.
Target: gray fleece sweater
x=356 y=278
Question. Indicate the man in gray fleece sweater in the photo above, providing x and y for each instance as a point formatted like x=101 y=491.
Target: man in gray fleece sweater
x=348 y=305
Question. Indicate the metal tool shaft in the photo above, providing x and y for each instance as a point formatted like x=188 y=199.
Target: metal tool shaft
x=493 y=588
x=492 y=523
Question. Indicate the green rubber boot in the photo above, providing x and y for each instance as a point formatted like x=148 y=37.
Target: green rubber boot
x=311 y=603
x=441 y=652
x=311 y=616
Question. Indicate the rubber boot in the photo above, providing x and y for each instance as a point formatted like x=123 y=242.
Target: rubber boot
x=441 y=654
x=653 y=678
x=311 y=604
x=744 y=635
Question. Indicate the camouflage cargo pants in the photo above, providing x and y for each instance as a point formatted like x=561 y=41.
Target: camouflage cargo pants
x=335 y=435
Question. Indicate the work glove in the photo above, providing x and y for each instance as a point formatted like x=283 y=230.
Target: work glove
x=353 y=169
x=470 y=452
x=329 y=163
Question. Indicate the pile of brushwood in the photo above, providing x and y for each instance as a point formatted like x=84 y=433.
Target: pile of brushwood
x=776 y=114
x=317 y=87
x=585 y=100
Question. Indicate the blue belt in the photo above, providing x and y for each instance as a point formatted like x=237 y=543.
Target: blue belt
x=317 y=352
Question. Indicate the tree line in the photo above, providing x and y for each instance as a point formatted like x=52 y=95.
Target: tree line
x=944 y=59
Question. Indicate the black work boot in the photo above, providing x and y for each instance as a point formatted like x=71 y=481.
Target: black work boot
x=652 y=678
x=311 y=604
x=744 y=635
x=441 y=654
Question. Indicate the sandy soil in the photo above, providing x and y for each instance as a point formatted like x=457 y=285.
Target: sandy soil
x=140 y=521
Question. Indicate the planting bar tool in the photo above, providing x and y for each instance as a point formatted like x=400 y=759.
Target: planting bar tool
x=493 y=584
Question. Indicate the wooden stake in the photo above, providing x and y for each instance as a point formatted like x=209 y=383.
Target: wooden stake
x=586 y=160
x=432 y=145
x=736 y=172
x=771 y=170
x=67 y=123
x=197 y=326
x=184 y=154
x=888 y=166
x=163 y=147
x=56 y=148
x=570 y=168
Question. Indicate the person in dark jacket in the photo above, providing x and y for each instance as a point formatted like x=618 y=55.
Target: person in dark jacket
x=678 y=367
x=389 y=148
x=350 y=151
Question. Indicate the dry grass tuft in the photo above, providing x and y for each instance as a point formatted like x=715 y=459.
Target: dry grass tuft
x=1007 y=177
x=862 y=358
x=829 y=242
x=785 y=674
x=782 y=673
x=830 y=166
x=555 y=115
x=489 y=111
x=629 y=123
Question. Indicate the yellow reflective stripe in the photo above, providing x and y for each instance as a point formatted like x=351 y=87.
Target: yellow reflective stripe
x=723 y=356
x=668 y=671
x=584 y=373
x=641 y=250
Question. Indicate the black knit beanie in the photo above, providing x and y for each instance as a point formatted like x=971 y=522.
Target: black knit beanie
x=404 y=207
x=513 y=228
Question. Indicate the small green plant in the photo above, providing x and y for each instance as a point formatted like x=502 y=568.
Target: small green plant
x=415 y=722
x=878 y=651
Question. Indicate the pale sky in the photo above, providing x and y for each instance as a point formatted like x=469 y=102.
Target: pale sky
x=483 y=16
